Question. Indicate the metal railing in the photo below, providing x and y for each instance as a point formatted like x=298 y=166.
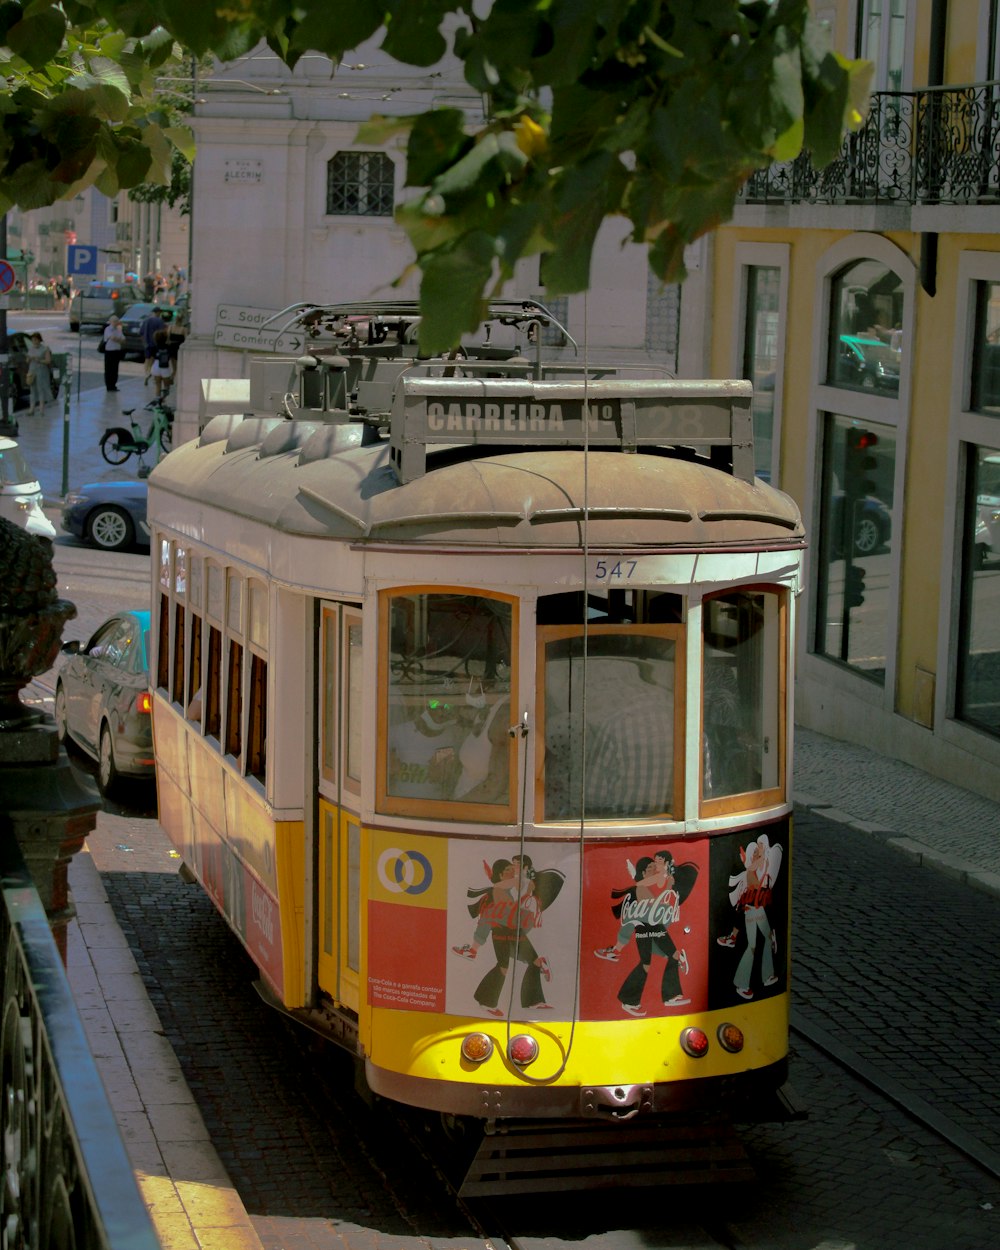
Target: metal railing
x=67 y=1183
x=938 y=145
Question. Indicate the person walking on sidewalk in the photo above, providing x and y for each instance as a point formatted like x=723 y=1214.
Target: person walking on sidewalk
x=39 y=374
x=113 y=342
x=150 y=326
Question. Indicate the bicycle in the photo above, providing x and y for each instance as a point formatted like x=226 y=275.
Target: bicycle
x=118 y=444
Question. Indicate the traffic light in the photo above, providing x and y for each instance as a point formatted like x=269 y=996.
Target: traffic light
x=860 y=464
x=854 y=586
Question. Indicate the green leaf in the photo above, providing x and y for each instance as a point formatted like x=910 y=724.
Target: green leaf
x=451 y=292
x=38 y=36
x=183 y=140
x=412 y=33
x=379 y=129
x=437 y=140
x=584 y=196
x=333 y=27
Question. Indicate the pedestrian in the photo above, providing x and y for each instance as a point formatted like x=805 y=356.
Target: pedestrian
x=113 y=342
x=163 y=364
x=150 y=326
x=39 y=374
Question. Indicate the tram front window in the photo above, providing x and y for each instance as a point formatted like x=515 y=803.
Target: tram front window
x=448 y=698
x=610 y=729
x=743 y=692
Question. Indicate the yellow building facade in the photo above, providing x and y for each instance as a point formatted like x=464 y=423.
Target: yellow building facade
x=863 y=300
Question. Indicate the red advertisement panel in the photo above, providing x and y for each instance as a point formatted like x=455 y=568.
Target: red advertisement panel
x=406 y=956
x=644 y=931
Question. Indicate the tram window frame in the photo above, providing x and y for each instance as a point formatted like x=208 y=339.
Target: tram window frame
x=352 y=702
x=329 y=633
x=178 y=666
x=672 y=632
x=763 y=795
x=437 y=808
x=234 y=700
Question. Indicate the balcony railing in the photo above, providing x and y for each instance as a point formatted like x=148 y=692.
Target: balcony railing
x=938 y=145
x=67 y=1183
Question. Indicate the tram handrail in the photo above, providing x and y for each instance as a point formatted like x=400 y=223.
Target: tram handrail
x=74 y=1182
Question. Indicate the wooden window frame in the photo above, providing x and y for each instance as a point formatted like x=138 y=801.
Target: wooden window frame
x=676 y=633
x=442 y=809
x=770 y=796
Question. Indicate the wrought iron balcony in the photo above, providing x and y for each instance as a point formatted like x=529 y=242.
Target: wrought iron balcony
x=938 y=145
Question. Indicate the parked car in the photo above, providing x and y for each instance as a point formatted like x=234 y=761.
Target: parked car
x=872 y=525
x=987 y=537
x=132 y=321
x=103 y=702
x=20 y=492
x=867 y=363
x=111 y=515
x=18 y=366
x=94 y=304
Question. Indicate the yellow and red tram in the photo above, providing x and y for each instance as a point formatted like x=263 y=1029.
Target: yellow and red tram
x=472 y=714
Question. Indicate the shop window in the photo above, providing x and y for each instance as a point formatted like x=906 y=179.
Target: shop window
x=986 y=350
x=760 y=358
x=360 y=184
x=610 y=719
x=977 y=699
x=854 y=608
x=743 y=647
x=866 y=338
x=446 y=686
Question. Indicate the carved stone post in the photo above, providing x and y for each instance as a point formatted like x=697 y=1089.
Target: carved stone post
x=42 y=803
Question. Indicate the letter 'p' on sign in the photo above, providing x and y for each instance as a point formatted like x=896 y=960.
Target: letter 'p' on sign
x=81 y=258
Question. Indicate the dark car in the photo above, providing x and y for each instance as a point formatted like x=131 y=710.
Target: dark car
x=867 y=363
x=132 y=320
x=111 y=515
x=18 y=366
x=102 y=699
x=872 y=525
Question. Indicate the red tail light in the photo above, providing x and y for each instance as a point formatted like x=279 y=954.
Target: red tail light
x=144 y=702
x=695 y=1043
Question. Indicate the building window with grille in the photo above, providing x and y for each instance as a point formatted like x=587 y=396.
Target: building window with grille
x=360 y=184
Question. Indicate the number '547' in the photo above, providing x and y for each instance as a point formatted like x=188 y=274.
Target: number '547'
x=606 y=570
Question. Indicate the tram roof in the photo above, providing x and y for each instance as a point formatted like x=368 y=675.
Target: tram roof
x=338 y=481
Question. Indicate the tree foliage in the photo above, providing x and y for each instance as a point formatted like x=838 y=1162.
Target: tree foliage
x=655 y=111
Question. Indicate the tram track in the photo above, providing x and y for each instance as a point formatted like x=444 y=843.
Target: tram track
x=930 y=1117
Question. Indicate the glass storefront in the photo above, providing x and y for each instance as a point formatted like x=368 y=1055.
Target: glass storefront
x=978 y=688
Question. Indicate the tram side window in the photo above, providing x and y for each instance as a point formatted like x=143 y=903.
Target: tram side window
x=446 y=673
x=743 y=694
x=609 y=718
x=213 y=680
x=257 y=720
x=163 y=645
x=234 y=701
x=177 y=692
x=194 y=704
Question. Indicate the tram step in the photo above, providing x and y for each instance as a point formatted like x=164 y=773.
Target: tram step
x=533 y=1158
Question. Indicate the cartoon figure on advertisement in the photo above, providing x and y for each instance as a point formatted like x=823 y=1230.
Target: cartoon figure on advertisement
x=646 y=910
x=751 y=895
x=507 y=910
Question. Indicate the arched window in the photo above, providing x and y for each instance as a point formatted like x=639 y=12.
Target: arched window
x=360 y=184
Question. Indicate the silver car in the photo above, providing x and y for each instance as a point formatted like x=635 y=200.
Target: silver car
x=103 y=702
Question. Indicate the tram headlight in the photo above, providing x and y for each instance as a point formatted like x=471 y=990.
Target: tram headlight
x=522 y=1050
x=476 y=1047
x=694 y=1042
x=730 y=1038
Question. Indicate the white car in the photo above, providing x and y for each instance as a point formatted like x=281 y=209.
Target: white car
x=20 y=493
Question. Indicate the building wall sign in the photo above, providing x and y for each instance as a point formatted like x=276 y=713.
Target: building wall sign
x=243 y=171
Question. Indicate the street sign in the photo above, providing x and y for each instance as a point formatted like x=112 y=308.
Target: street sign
x=81 y=258
x=246 y=328
x=7 y=275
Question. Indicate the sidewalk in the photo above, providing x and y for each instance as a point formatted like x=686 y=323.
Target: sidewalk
x=192 y=1202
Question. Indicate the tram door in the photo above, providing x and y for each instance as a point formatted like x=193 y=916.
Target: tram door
x=339 y=859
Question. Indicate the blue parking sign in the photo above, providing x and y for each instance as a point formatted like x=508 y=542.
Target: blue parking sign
x=81 y=258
